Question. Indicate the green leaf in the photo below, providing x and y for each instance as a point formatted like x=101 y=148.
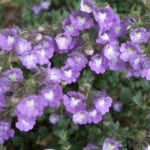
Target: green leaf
x=138 y=99
x=100 y=83
x=17 y=141
x=125 y=94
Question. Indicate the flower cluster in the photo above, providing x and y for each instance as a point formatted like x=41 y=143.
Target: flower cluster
x=35 y=52
x=81 y=113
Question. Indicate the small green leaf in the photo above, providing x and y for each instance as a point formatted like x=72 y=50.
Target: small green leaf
x=125 y=94
x=138 y=100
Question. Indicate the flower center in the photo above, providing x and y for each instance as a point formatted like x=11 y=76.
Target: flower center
x=49 y=95
x=10 y=39
x=81 y=20
x=75 y=101
x=68 y=73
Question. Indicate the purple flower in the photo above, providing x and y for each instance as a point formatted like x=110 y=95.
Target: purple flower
x=5 y=131
x=117 y=64
x=95 y=115
x=104 y=37
x=14 y=74
x=47 y=42
x=52 y=95
x=102 y=103
x=54 y=118
x=29 y=106
x=69 y=28
x=63 y=42
x=4 y=85
x=119 y=29
x=22 y=46
x=74 y=101
x=106 y=17
x=139 y=35
x=29 y=60
x=36 y=9
x=81 y=20
x=25 y=124
x=117 y=106
x=111 y=144
x=137 y=62
x=76 y=60
x=53 y=75
x=129 y=50
x=81 y=117
x=69 y=75
x=98 y=63
x=43 y=54
x=91 y=146
x=111 y=50
x=45 y=4
x=8 y=38
x=87 y=5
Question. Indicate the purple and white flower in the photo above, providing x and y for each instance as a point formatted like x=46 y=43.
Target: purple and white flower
x=81 y=117
x=98 y=63
x=74 y=101
x=129 y=50
x=81 y=20
x=43 y=54
x=76 y=60
x=22 y=46
x=102 y=102
x=52 y=95
x=69 y=75
x=63 y=41
x=87 y=6
x=8 y=38
x=111 y=50
x=104 y=37
x=139 y=35
x=106 y=17
x=25 y=124
x=69 y=28
x=52 y=75
x=111 y=144
x=29 y=60
x=29 y=106
x=14 y=74
x=95 y=115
